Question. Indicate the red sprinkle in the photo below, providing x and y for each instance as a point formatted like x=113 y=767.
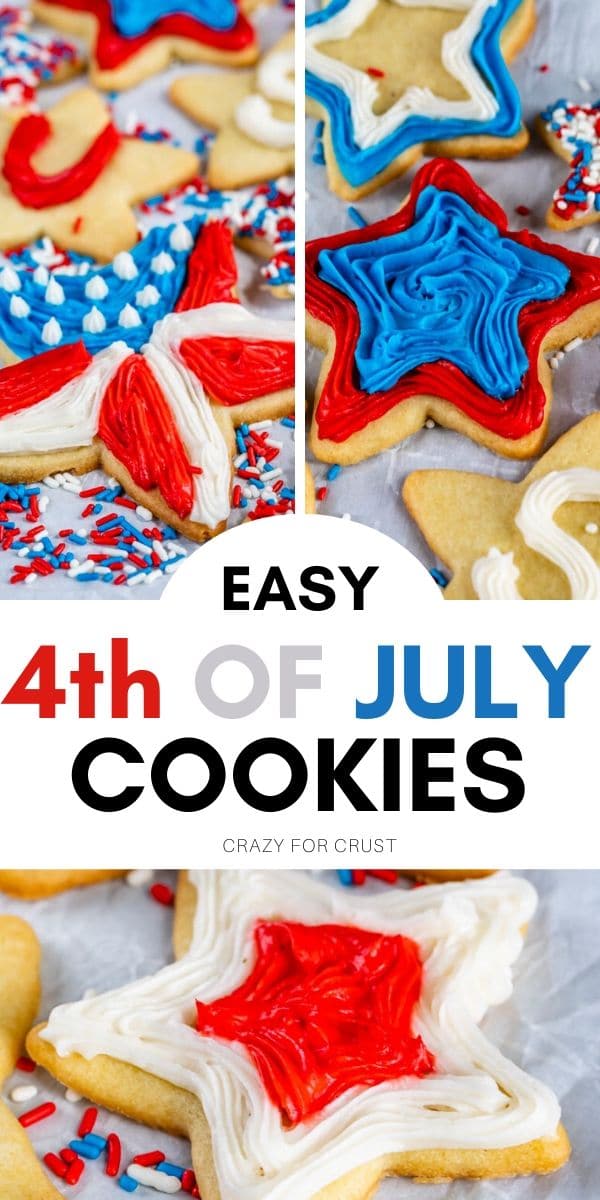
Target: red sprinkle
x=87 y=1122
x=75 y=1171
x=68 y=1156
x=543 y=68
x=522 y=210
x=113 y=1154
x=321 y=493
x=163 y=893
x=375 y=73
x=152 y=1159
x=188 y=1181
x=56 y=1165
x=77 y=224
x=37 y=1114
x=25 y=1064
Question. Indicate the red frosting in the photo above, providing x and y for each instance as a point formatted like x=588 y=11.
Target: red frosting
x=136 y=424
x=233 y=370
x=41 y=191
x=325 y=1008
x=344 y=408
x=28 y=383
x=112 y=49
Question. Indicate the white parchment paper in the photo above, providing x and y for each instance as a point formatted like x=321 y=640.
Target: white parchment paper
x=566 y=42
x=104 y=936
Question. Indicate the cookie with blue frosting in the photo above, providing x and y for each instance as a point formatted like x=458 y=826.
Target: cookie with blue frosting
x=395 y=79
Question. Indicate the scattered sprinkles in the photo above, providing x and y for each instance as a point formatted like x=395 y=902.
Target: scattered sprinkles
x=577 y=128
x=355 y=878
x=27 y=59
x=258 y=479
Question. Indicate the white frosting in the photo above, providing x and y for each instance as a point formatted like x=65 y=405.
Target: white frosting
x=94 y=321
x=96 y=288
x=124 y=265
x=19 y=307
x=495 y=576
x=67 y=418
x=162 y=264
x=254 y=115
x=54 y=293
x=148 y=296
x=469 y=936
x=9 y=279
x=363 y=91
x=129 y=317
x=52 y=332
x=181 y=238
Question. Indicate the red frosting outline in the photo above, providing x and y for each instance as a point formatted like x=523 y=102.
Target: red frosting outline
x=325 y=1008
x=112 y=49
x=345 y=409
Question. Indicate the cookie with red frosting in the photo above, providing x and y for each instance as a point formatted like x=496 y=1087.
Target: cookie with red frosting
x=441 y=311
x=131 y=40
x=311 y=1040
x=152 y=359
x=71 y=174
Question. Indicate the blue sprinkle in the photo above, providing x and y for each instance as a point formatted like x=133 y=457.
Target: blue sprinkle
x=345 y=877
x=77 y=539
x=287 y=494
x=94 y=1140
x=127 y=1183
x=168 y=1168
x=80 y=1147
x=439 y=577
x=239 y=440
x=87 y=577
x=319 y=155
x=289 y=422
x=333 y=472
x=319 y=129
x=356 y=216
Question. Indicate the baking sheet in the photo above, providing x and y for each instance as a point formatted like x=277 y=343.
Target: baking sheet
x=149 y=103
x=104 y=936
x=559 y=60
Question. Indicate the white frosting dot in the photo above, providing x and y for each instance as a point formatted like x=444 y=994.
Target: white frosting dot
x=9 y=280
x=41 y=276
x=162 y=264
x=94 y=321
x=591 y=527
x=124 y=265
x=96 y=288
x=181 y=238
x=19 y=307
x=148 y=296
x=129 y=317
x=52 y=332
x=54 y=292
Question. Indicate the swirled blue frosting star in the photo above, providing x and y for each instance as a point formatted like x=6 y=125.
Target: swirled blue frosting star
x=450 y=287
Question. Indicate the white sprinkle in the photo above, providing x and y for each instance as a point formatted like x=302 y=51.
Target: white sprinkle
x=51 y=481
x=129 y=317
x=41 y=276
x=43 y=503
x=94 y=321
x=271 y=476
x=139 y=879
x=144 y=513
x=72 y=487
x=72 y=1096
x=20 y=1095
x=162 y=264
x=429 y=424
x=124 y=265
x=96 y=288
x=23 y=552
x=572 y=345
x=591 y=527
x=54 y=292
x=52 y=332
x=135 y=579
x=260 y=425
x=9 y=280
x=159 y=550
x=30 y=579
x=592 y=245
x=19 y=307
x=181 y=238
x=148 y=296
x=554 y=362
x=584 y=84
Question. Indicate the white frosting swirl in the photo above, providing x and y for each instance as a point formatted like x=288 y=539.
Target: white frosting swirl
x=495 y=576
x=370 y=128
x=254 y=115
x=469 y=936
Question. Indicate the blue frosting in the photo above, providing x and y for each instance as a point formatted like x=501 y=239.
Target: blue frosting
x=24 y=334
x=358 y=165
x=135 y=17
x=449 y=288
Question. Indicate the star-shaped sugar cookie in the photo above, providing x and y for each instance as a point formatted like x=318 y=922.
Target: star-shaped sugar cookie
x=440 y=311
x=572 y=131
x=534 y=540
x=132 y=39
x=153 y=359
x=232 y=1045
x=36 y=885
x=20 y=1172
x=253 y=113
x=395 y=79
x=70 y=174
